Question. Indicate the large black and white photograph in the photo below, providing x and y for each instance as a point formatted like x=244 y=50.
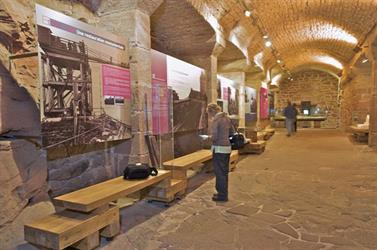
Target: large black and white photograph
x=85 y=82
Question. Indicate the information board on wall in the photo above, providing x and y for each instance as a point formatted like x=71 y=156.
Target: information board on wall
x=250 y=106
x=264 y=104
x=229 y=95
x=185 y=83
x=85 y=82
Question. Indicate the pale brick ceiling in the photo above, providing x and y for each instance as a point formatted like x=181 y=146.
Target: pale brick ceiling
x=300 y=30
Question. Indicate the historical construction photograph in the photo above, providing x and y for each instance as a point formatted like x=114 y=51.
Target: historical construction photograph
x=85 y=82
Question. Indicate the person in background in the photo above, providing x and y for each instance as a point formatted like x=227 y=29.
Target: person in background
x=221 y=129
x=295 y=122
x=290 y=114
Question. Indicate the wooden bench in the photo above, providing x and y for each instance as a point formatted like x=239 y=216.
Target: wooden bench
x=360 y=133
x=233 y=160
x=181 y=165
x=270 y=132
x=262 y=136
x=88 y=214
x=253 y=148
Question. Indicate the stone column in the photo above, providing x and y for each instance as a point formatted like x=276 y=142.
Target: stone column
x=133 y=22
x=257 y=87
x=212 y=81
x=241 y=104
x=372 y=141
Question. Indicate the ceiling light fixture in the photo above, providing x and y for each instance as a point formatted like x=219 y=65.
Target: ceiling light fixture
x=364 y=60
x=268 y=44
x=278 y=61
x=265 y=36
x=247 y=13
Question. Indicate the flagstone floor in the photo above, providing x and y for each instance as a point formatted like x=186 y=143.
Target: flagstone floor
x=314 y=190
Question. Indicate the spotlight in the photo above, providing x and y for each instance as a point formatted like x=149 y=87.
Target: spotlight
x=268 y=44
x=247 y=13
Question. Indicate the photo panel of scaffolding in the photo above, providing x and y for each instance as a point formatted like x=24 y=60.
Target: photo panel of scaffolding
x=85 y=93
x=228 y=95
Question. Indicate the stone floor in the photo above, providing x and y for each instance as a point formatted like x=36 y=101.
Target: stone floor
x=315 y=190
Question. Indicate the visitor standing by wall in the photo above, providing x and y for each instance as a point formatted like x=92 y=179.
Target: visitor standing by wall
x=295 y=122
x=290 y=114
x=221 y=129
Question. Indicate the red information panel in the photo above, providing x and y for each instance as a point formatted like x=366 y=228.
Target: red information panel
x=116 y=81
x=264 y=103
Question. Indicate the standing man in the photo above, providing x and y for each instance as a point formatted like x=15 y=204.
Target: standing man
x=295 y=122
x=221 y=129
x=290 y=114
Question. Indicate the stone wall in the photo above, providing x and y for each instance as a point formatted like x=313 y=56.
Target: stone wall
x=355 y=101
x=315 y=86
x=27 y=179
x=23 y=166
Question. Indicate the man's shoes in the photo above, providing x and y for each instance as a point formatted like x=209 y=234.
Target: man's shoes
x=215 y=197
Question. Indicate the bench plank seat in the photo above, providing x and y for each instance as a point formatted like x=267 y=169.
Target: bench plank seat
x=63 y=229
x=355 y=129
x=190 y=160
x=92 y=197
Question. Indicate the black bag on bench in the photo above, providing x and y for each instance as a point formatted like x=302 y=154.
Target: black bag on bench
x=139 y=171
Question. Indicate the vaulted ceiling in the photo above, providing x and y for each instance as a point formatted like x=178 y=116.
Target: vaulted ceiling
x=322 y=34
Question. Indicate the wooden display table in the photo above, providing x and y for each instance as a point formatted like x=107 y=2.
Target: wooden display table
x=88 y=214
x=303 y=121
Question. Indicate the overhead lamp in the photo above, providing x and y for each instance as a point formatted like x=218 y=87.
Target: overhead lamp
x=265 y=36
x=247 y=13
x=278 y=61
x=364 y=60
x=268 y=44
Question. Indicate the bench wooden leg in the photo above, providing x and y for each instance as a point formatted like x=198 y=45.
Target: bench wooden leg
x=179 y=174
x=111 y=230
x=88 y=243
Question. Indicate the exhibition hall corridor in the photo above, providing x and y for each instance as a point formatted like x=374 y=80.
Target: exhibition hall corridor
x=314 y=190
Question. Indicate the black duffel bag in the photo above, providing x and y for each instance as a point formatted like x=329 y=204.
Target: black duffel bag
x=237 y=141
x=139 y=171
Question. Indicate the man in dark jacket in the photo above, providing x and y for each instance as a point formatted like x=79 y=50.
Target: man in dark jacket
x=290 y=114
x=221 y=149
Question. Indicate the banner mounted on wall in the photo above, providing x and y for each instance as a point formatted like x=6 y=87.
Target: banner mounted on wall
x=186 y=83
x=250 y=106
x=264 y=104
x=229 y=97
x=85 y=82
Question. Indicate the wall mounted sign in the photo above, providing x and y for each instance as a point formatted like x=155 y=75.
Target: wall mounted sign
x=85 y=84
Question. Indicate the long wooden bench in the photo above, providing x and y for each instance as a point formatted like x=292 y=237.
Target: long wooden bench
x=360 y=133
x=253 y=148
x=88 y=214
x=181 y=165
